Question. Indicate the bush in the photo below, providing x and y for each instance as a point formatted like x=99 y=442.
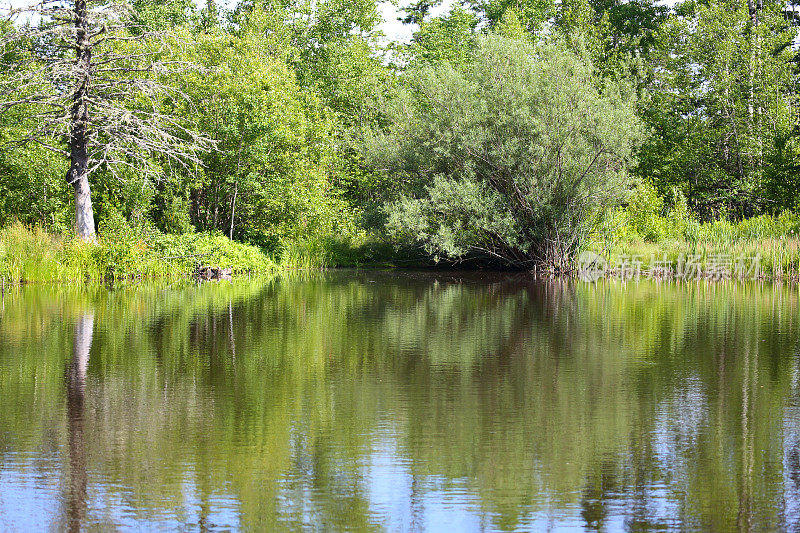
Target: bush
x=190 y=249
x=680 y=223
x=510 y=157
x=644 y=211
x=120 y=249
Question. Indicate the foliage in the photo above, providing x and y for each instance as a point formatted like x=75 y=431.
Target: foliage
x=721 y=109
x=617 y=35
x=507 y=158
x=331 y=46
x=270 y=177
x=644 y=212
x=450 y=39
x=334 y=48
x=123 y=252
x=532 y=14
x=32 y=188
x=161 y=14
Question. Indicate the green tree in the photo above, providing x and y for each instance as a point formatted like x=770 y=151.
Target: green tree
x=333 y=47
x=162 y=14
x=532 y=14
x=721 y=109
x=617 y=35
x=209 y=16
x=271 y=175
x=507 y=158
x=417 y=12
x=450 y=38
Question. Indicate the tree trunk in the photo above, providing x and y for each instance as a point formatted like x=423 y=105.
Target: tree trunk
x=84 y=213
x=233 y=207
x=78 y=174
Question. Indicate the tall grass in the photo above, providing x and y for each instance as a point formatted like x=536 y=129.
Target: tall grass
x=122 y=253
x=332 y=252
x=32 y=254
x=306 y=255
x=649 y=233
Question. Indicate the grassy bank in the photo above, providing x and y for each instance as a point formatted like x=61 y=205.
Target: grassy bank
x=648 y=232
x=642 y=235
x=121 y=252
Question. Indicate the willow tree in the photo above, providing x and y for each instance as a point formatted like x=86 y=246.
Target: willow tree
x=509 y=158
x=91 y=82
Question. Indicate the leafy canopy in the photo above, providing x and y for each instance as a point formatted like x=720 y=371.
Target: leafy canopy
x=507 y=157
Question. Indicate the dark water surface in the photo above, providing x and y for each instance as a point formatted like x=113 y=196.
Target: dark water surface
x=401 y=401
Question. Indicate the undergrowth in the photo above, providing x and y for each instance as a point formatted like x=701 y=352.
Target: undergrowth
x=121 y=252
x=648 y=230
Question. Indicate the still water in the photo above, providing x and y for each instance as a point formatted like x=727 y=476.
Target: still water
x=401 y=401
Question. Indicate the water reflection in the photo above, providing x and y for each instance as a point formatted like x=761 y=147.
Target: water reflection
x=76 y=393
x=399 y=401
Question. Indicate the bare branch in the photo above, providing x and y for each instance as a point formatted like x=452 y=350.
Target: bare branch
x=115 y=95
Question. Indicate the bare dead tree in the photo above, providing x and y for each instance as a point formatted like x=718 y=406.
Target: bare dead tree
x=93 y=88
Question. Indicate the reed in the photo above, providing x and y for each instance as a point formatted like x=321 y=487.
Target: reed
x=775 y=240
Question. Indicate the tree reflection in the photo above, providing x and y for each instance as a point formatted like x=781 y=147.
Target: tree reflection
x=76 y=392
x=648 y=405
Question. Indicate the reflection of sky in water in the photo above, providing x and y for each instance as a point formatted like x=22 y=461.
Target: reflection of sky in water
x=452 y=505
x=680 y=420
x=399 y=502
x=31 y=499
x=474 y=420
x=29 y=492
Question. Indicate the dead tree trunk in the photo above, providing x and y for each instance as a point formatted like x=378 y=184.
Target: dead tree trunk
x=78 y=174
x=88 y=95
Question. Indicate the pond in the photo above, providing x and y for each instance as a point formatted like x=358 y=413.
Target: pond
x=401 y=401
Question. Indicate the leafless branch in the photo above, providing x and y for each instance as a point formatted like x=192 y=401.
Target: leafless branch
x=125 y=86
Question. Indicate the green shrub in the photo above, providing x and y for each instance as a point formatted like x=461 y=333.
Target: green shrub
x=644 y=211
x=190 y=249
x=120 y=249
x=506 y=157
x=680 y=224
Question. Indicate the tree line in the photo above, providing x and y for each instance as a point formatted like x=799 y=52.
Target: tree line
x=504 y=132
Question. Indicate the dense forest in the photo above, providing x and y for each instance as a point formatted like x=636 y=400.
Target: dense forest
x=505 y=133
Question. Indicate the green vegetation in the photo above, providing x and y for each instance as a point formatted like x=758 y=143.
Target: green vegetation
x=507 y=157
x=647 y=230
x=122 y=253
x=505 y=134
